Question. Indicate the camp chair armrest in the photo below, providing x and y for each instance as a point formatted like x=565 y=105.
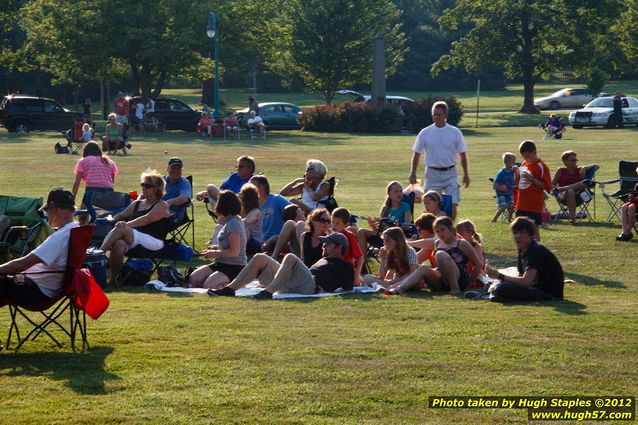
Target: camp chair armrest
x=607 y=182
x=15 y=229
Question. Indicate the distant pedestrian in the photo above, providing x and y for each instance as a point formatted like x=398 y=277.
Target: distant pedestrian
x=121 y=108
x=618 y=101
x=86 y=106
x=253 y=105
x=441 y=142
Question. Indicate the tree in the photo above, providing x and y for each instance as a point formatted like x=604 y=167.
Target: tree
x=531 y=39
x=331 y=42
x=625 y=29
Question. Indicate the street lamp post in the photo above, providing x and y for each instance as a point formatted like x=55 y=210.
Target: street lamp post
x=212 y=30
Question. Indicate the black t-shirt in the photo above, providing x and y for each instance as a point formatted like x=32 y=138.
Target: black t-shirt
x=550 y=277
x=333 y=273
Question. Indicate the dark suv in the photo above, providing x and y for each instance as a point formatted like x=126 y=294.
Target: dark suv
x=171 y=114
x=21 y=113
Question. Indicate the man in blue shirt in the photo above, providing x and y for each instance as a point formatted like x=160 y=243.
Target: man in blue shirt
x=178 y=190
x=271 y=207
x=235 y=181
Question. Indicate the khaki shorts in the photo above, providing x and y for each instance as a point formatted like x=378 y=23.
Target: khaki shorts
x=301 y=280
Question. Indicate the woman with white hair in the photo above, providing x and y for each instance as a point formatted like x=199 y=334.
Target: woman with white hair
x=312 y=187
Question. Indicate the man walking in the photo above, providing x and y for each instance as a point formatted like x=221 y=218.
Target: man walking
x=441 y=142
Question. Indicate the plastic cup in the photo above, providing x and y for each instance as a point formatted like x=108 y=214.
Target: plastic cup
x=133 y=194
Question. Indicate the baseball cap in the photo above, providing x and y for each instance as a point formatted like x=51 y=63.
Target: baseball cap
x=175 y=161
x=335 y=238
x=61 y=198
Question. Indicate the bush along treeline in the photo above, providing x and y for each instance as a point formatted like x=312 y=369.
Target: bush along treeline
x=359 y=117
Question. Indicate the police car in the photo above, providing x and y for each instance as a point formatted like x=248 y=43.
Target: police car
x=600 y=111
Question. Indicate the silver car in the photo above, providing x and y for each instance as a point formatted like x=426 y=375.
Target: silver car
x=600 y=111
x=564 y=98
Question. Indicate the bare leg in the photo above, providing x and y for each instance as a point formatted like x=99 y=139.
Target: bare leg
x=498 y=214
x=569 y=198
x=116 y=258
x=510 y=213
x=370 y=279
x=125 y=233
x=449 y=271
x=537 y=233
x=362 y=239
x=287 y=234
x=199 y=276
x=213 y=192
x=216 y=280
x=628 y=217
x=413 y=280
x=453 y=215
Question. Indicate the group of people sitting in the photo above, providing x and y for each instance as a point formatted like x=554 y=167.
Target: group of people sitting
x=319 y=250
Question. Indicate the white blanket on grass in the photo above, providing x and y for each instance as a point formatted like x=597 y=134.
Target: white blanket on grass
x=253 y=288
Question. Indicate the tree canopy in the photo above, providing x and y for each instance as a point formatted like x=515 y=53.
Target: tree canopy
x=530 y=38
x=331 y=42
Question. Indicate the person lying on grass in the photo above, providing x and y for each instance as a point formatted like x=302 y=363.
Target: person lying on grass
x=452 y=257
x=292 y=276
x=540 y=274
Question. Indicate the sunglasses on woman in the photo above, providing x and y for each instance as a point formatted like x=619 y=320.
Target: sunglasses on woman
x=322 y=220
x=147 y=185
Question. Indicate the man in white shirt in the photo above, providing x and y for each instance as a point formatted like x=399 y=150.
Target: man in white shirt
x=441 y=142
x=39 y=275
x=255 y=122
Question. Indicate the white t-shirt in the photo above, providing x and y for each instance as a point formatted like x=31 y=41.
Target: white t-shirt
x=53 y=252
x=139 y=110
x=255 y=121
x=440 y=145
x=150 y=106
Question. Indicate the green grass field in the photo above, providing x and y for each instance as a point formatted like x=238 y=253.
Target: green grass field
x=353 y=359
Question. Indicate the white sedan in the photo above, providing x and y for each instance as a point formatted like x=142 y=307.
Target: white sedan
x=601 y=112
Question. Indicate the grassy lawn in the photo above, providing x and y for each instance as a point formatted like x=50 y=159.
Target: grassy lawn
x=353 y=359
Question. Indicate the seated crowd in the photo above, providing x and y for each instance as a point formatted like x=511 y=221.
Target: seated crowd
x=322 y=250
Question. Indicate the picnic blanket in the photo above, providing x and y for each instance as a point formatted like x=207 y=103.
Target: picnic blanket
x=253 y=288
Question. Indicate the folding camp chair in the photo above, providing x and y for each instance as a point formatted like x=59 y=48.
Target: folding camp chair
x=375 y=242
x=583 y=199
x=181 y=223
x=627 y=179
x=330 y=203
x=75 y=136
x=80 y=296
x=28 y=227
x=101 y=204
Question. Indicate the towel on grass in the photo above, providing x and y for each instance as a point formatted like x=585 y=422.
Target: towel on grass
x=253 y=288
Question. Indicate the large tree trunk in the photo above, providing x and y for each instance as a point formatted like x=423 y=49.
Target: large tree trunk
x=527 y=63
x=208 y=92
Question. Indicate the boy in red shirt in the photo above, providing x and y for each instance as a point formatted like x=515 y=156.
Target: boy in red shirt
x=340 y=221
x=121 y=108
x=533 y=180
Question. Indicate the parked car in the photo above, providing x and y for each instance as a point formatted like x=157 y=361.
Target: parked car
x=600 y=111
x=564 y=98
x=276 y=115
x=21 y=113
x=358 y=97
x=171 y=114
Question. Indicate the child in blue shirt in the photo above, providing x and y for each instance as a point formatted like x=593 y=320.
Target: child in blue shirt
x=504 y=183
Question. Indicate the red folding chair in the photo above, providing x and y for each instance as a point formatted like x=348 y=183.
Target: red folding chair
x=80 y=296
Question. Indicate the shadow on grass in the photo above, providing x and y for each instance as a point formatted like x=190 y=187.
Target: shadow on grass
x=565 y=306
x=275 y=138
x=83 y=373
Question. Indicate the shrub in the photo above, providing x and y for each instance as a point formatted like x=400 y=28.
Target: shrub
x=419 y=114
x=352 y=117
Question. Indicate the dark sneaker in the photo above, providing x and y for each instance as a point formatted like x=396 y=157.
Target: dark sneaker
x=222 y=292
x=625 y=237
x=263 y=295
x=128 y=146
x=472 y=295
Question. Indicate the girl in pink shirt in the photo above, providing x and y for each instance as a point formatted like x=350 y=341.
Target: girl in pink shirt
x=97 y=171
